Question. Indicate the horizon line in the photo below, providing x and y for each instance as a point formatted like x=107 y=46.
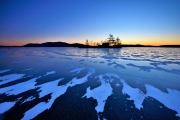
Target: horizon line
x=90 y=45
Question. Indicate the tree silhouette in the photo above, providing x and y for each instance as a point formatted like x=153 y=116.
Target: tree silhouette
x=87 y=43
x=118 y=41
x=94 y=43
x=111 y=39
x=91 y=43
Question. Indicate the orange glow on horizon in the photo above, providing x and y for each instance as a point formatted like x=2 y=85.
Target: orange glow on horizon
x=154 y=42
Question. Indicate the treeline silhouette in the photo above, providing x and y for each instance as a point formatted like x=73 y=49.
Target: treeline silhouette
x=110 y=42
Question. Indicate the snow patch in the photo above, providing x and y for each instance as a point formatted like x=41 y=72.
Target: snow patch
x=3 y=71
x=135 y=94
x=6 y=106
x=56 y=92
x=49 y=73
x=101 y=93
x=27 y=69
x=170 y=99
x=45 y=89
x=117 y=84
x=77 y=70
x=33 y=112
x=10 y=77
x=28 y=99
x=19 y=88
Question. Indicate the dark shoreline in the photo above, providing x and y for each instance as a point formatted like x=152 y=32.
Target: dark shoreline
x=171 y=46
x=64 y=44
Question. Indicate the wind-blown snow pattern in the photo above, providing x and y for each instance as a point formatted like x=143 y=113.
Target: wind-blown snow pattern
x=19 y=88
x=56 y=92
x=77 y=70
x=6 y=106
x=9 y=78
x=170 y=99
x=95 y=83
x=49 y=73
x=27 y=69
x=3 y=71
x=135 y=94
x=100 y=93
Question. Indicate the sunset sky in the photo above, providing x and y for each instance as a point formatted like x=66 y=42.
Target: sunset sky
x=147 y=22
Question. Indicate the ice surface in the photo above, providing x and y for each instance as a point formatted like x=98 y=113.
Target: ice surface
x=10 y=77
x=82 y=60
x=137 y=66
x=6 y=106
x=102 y=62
x=119 y=66
x=148 y=69
x=68 y=58
x=170 y=99
x=3 y=71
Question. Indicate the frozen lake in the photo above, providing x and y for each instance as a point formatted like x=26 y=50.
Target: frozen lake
x=78 y=84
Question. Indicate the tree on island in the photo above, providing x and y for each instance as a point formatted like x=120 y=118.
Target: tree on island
x=87 y=43
x=111 y=39
x=118 y=41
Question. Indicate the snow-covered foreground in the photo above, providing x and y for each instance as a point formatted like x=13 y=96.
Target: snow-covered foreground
x=46 y=76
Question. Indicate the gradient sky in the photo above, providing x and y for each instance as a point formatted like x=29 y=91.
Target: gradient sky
x=152 y=22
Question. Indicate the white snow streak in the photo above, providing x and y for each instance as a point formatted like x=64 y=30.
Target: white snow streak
x=3 y=71
x=10 y=77
x=6 y=106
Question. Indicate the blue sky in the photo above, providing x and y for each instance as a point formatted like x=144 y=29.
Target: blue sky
x=134 y=21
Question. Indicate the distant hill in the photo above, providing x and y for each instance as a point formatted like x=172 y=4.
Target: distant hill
x=53 y=44
x=64 y=44
x=137 y=45
x=170 y=46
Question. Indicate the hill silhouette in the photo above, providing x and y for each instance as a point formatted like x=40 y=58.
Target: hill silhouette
x=64 y=44
x=53 y=44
